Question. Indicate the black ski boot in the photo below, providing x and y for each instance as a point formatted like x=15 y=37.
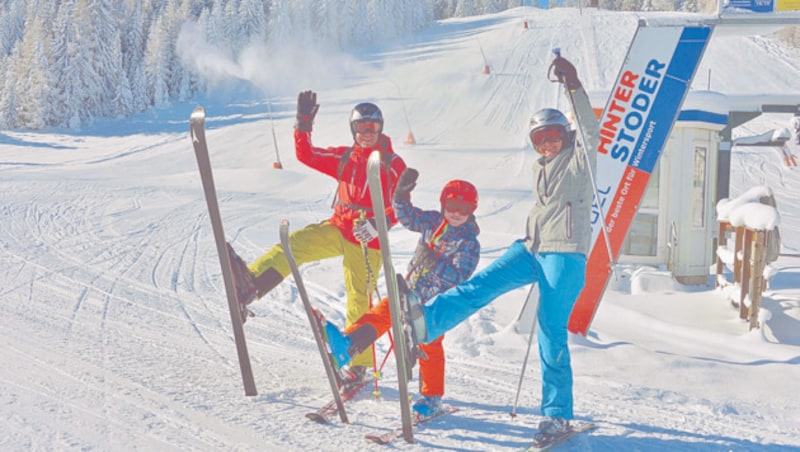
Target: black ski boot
x=410 y=329
x=244 y=282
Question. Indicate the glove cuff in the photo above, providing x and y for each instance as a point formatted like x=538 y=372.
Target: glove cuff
x=303 y=124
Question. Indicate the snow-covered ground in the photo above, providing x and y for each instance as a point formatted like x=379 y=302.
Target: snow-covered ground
x=113 y=321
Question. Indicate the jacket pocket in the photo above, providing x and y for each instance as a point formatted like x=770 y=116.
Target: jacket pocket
x=569 y=220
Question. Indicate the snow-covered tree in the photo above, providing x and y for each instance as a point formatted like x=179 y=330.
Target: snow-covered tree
x=12 y=25
x=252 y=16
x=66 y=62
x=156 y=69
x=30 y=69
x=8 y=95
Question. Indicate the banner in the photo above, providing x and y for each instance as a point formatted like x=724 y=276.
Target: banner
x=635 y=125
x=756 y=6
x=759 y=6
x=788 y=5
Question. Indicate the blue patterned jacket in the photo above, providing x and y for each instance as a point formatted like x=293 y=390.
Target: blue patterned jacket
x=458 y=250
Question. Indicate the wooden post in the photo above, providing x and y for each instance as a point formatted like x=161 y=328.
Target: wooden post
x=722 y=241
x=745 y=273
x=737 y=262
x=759 y=249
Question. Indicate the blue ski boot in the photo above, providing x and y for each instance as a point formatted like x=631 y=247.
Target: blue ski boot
x=338 y=343
x=427 y=406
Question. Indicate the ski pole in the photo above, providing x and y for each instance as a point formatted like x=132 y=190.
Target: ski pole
x=557 y=52
x=410 y=139
x=594 y=184
x=527 y=352
x=277 y=164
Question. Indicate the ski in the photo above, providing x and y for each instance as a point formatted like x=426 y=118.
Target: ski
x=575 y=429
x=330 y=369
x=401 y=356
x=388 y=437
x=198 y=135
x=327 y=411
x=788 y=157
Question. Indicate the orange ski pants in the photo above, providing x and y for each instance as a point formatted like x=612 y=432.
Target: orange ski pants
x=431 y=370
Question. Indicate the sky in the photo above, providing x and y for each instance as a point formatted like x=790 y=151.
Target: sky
x=113 y=318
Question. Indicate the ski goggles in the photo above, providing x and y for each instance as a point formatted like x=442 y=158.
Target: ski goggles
x=367 y=127
x=460 y=206
x=545 y=134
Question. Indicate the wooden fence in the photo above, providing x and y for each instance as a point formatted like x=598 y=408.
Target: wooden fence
x=748 y=261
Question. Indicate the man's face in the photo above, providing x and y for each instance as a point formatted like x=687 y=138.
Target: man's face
x=367 y=133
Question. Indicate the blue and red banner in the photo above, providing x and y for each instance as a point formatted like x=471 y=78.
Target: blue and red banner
x=635 y=125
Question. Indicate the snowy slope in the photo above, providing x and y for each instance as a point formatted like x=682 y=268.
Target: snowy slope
x=115 y=329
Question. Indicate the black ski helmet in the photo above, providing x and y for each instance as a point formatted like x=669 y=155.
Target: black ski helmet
x=366 y=112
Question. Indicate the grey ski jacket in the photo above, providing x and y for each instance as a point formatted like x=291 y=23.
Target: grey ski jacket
x=560 y=220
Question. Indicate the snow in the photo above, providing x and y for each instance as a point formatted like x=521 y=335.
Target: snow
x=746 y=210
x=708 y=101
x=114 y=326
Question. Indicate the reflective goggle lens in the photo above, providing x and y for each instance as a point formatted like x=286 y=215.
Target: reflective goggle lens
x=367 y=127
x=538 y=137
x=457 y=205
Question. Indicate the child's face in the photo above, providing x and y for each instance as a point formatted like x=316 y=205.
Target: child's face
x=455 y=218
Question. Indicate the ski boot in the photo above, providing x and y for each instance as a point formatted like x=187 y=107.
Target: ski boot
x=427 y=406
x=413 y=351
x=338 y=343
x=244 y=282
x=550 y=429
x=353 y=380
x=412 y=312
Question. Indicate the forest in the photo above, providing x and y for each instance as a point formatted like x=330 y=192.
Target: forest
x=66 y=62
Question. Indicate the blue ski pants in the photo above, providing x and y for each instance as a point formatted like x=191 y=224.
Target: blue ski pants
x=560 y=277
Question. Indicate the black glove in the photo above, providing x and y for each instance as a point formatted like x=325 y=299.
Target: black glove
x=566 y=73
x=307 y=107
x=364 y=230
x=424 y=256
x=406 y=183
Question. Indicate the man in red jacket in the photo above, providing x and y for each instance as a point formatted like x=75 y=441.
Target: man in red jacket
x=350 y=232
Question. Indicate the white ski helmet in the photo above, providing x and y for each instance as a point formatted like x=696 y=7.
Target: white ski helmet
x=550 y=117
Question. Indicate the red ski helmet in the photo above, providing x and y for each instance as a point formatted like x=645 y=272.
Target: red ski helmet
x=460 y=190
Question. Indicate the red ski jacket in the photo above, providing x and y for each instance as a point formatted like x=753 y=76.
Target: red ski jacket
x=348 y=165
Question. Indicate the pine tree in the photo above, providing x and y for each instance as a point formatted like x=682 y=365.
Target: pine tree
x=156 y=68
x=30 y=69
x=8 y=95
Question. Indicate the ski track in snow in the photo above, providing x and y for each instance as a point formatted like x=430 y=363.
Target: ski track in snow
x=115 y=327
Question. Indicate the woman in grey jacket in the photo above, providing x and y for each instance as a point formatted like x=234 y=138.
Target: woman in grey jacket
x=553 y=253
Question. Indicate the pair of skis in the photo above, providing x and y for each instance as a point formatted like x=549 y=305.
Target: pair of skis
x=197 y=132
x=373 y=172
x=376 y=191
x=198 y=135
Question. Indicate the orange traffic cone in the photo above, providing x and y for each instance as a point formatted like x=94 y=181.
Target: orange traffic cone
x=410 y=138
